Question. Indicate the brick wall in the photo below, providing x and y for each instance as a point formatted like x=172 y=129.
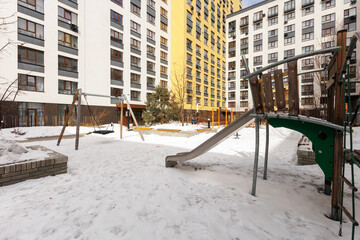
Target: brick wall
x=53 y=165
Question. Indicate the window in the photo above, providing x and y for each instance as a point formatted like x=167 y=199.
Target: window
x=350 y=19
x=135 y=44
x=289 y=6
x=273 y=11
x=135 y=9
x=67 y=40
x=150 y=82
x=308 y=36
x=163 y=26
x=150 y=19
x=67 y=87
x=150 y=66
x=135 y=26
x=258 y=60
x=163 y=55
x=116 y=55
x=116 y=36
x=135 y=61
x=307 y=64
x=116 y=17
x=328 y=32
x=273 y=21
x=308 y=49
x=163 y=70
x=150 y=50
x=135 y=96
x=32 y=56
x=328 y=4
x=258 y=16
x=116 y=75
x=31 y=29
x=36 y=5
x=308 y=23
x=135 y=78
x=163 y=12
x=308 y=10
x=163 y=41
x=273 y=44
x=151 y=34
x=258 y=25
x=116 y=92
x=289 y=16
x=328 y=18
x=30 y=83
x=328 y=44
x=272 y=57
x=289 y=53
x=289 y=41
x=118 y=2
x=67 y=16
x=68 y=64
x=290 y=28
x=151 y=3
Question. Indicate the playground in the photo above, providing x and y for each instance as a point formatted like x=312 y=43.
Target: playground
x=127 y=193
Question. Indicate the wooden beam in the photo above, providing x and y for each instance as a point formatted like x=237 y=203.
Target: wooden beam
x=293 y=89
x=133 y=117
x=256 y=93
x=279 y=90
x=67 y=119
x=268 y=93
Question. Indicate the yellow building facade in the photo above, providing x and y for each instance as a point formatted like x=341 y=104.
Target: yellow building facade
x=198 y=51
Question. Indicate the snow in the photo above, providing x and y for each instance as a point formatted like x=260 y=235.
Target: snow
x=12 y=152
x=120 y=189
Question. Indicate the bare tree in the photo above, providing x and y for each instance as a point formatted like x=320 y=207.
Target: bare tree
x=182 y=88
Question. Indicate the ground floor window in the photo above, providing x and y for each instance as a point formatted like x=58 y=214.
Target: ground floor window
x=62 y=113
x=31 y=114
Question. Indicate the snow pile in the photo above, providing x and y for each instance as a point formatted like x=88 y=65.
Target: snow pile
x=178 y=126
x=12 y=152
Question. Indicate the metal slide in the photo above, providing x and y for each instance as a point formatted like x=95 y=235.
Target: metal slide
x=172 y=160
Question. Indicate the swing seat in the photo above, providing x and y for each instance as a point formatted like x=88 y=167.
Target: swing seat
x=103 y=132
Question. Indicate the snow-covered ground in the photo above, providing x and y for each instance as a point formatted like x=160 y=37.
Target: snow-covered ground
x=120 y=189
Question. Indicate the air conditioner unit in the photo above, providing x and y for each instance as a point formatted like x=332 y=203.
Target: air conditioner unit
x=353 y=1
x=353 y=17
x=246 y=33
x=192 y=7
x=285 y=22
x=285 y=35
x=263 y=15
x=233 y=37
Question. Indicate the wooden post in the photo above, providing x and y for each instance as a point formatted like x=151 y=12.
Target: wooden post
x=78 y=120
x=279 y=88
x=268 y=94
x=218 y=117
x=212 y=117
x=64 y=126
x=226 y=117
x=256 y=93
x=121 y=118
x=338 y=119
x=293 y=89
x=232 y=116
x=133 y=116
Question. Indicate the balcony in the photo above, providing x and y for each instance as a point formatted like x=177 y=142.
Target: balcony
x=136 y=85
x=232 y=88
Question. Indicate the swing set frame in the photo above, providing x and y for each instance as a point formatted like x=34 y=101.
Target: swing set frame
x=77 y=99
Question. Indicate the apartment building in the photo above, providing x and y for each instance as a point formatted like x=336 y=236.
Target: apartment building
x=107 y=47
x=273 y=30
x=198 y=53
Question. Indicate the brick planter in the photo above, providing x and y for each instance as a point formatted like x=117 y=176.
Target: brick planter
x=12 y=173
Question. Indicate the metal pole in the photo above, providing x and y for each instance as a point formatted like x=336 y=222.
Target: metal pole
x=333 y=50
x=256 y=159
x=121 y=118
x=212 y=117
x=266 y=149
x=128 y=119
x=78 y=117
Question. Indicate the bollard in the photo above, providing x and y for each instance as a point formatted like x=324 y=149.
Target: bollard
x=208 y=122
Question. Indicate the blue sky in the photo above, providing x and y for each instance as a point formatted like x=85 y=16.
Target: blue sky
x=247 y=3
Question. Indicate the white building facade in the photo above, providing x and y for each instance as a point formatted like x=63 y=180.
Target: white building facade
x=107 y=47
x=273 y=30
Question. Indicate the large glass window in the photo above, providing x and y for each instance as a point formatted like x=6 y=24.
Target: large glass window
x=31 y=29
x=37 y=5
x=30 y=83
x=28 y=55
x=68 y=64
x=67 y=16
x=67 y=40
